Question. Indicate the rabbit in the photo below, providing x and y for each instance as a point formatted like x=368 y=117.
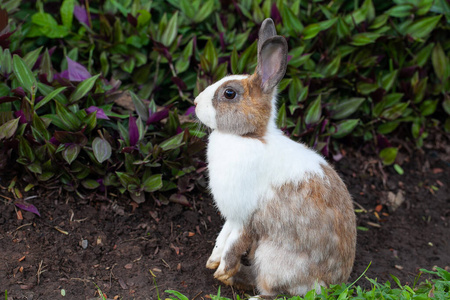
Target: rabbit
x=284 y=207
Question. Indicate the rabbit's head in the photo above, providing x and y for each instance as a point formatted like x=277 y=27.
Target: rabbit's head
x=244 y=104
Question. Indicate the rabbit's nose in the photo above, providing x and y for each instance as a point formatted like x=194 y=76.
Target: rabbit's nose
x=195 y=102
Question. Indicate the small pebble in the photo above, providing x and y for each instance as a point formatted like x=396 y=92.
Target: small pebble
x=84 y=244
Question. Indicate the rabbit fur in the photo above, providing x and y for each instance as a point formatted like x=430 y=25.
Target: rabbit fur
x=285 y=207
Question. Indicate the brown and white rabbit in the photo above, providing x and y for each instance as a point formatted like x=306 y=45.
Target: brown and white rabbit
x=284 y=205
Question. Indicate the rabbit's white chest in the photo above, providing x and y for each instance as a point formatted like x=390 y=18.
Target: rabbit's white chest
x=236 y=166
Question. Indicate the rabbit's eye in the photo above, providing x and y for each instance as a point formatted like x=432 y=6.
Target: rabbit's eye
x=229 y=94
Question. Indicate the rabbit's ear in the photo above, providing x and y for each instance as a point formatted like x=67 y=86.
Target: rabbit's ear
x=266 y=31
x=272 y=62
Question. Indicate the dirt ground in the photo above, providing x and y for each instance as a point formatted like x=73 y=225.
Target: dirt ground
x=77 y=245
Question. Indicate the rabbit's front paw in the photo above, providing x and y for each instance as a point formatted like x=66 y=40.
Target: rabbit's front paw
x=213 y=262
x=225 y=273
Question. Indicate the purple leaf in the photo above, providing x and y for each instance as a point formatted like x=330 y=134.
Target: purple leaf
x=6 y=99
x=76 y=71
x=180 y=83
x=190 y=111
x=157 y=116
x=61 y=77
x=133 y=131
x=275 y=14
x=54 y=141
x=383 y=142
x=19 y=91
x=38 y=61
x=100 y=113
x=132 y=20
x=28 y=207
x=81 y=14
x=21 y=115
x=289 y=58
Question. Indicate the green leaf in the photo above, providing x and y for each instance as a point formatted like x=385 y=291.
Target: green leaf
x=423 y=55
x=153 y=183
x=281 y=118
x=211 y=55
x=398 y=169
x=388 y=80
x=35 y=168
x=69 y=120
x=49 y=97
x=314 y=111
x=31 y=57
x=361 y=39
x=25 y=150
x=24 y=75
x=8 y=129
x=66 y=11
x=428 y=107
x=343 y=128
x=345 y=108
x=312 y=30
x=440 y=62
x=90 y=184
x=187 y=8
x=388 y=155
x=170 y=33
x=388 y=127
x=101 y=149
x=422 y=28
x=172 y=143
x=234 y=61
x=83 y=88
x=41 y=128
x=127 y=180
x=332 y=68
x=205 y=11
x=47 y=90
x=70 y=153
x=446 y=105
x=395 y=111
x=401 y=11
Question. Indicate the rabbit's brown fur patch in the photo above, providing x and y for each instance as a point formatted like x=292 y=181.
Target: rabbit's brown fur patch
x=248 y=114
x=315 y=224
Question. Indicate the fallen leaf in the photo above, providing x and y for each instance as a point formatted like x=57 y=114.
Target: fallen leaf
x=21 y=269
x=398 y=267
x=378 y=208
x=437 y=170
x=157 y=270
x=395 y=200
x=439 y=182
x=22 y=258
x=374 y=224
x=128 y=266
x=28 y=207
x=376 y=215
x=123 y=285
x=179 y=267
x=177 y=250
x=19 y=215
x=191 y=234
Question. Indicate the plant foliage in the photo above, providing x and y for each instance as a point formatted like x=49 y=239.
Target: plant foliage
x=100 y=96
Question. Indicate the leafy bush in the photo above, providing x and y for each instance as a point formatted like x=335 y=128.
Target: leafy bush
x=359 y=71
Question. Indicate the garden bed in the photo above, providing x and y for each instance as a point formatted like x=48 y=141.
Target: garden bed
x=133 y=252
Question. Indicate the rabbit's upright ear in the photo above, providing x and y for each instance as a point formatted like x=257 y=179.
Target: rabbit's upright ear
x=272 y=62
x=266 y=31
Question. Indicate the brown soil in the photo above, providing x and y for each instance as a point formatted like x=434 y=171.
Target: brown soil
x=126 y=247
